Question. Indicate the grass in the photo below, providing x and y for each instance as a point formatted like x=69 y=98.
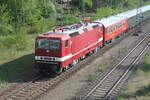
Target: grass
x=139 y=87
x=91 y=77
x=12 y=50
x=16 y=63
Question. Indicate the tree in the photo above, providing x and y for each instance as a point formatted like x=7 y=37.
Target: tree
x=5 y=26
x=96 y=4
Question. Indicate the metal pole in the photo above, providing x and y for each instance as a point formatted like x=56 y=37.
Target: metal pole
x=139 y=16
x=83 y=9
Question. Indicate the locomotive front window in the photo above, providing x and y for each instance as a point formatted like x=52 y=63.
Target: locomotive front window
x=48 y=44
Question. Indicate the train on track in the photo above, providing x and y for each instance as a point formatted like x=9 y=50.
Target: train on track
x=64 y=46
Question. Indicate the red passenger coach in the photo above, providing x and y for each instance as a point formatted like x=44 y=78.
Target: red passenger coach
x=63 y=47
x=114 y=26
x=115 y=29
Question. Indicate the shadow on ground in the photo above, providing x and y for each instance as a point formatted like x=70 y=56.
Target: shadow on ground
x=17 y=70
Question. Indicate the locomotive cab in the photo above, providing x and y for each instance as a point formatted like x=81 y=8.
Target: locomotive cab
x=51 y=51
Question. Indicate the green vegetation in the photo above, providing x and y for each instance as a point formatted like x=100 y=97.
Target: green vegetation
x=22 y=20
x=120 y=98
x=139 y=87
x=91 y=77
x=113 y=7
x=106 y=11
x=82 y=3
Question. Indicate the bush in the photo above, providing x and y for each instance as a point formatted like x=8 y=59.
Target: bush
x=88 y=3
x=102 y=12
x=132 y=4
x=17 y=40
x=79 y=4
x=69 y=19
x=48 y=9
x=5 y=26
x=146 y=2
x=40 y=16
x=44 y=25
x=120 y=98
x=145 y=91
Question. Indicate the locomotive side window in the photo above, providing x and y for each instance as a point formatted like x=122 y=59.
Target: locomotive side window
x=66 y=43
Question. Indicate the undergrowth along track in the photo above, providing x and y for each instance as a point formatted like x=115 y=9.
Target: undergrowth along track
x=106 y=87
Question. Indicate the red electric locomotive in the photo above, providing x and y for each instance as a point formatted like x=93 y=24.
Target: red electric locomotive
x=63 y=47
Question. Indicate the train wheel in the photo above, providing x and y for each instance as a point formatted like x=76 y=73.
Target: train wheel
x=83 y=57
x=74 y=63
x=95 y=50
x=113 y=39
x=65 y=68
x=90 y=53
x=77 y=61
x=57 y=70
x=101 y=46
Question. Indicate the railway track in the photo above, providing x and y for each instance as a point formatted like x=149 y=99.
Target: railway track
x=106 y=87
x=35 y=88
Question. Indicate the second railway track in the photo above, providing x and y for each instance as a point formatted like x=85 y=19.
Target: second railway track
x=107 y=88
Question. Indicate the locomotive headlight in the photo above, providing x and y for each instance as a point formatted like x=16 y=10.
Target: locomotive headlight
x=37 y=58
x=47 y=51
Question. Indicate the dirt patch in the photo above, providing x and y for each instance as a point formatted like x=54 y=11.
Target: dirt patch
x=70 y=87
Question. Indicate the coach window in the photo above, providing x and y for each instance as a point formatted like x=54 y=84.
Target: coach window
x=66 y=43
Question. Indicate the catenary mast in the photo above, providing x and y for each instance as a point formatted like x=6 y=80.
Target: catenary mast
x=139 y=16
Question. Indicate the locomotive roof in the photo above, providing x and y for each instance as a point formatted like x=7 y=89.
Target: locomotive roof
x=124 y=15
x=47 y=35
x=79 y=27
